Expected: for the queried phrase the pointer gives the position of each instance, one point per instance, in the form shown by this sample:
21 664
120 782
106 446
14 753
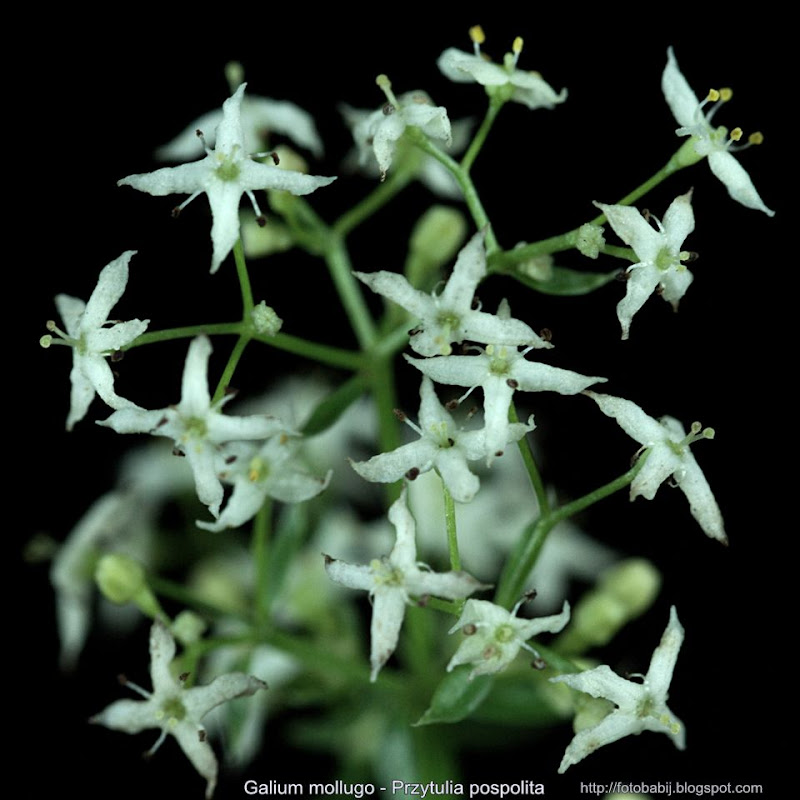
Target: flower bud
121 579
188 627
590 240
634 583
434 242
265 320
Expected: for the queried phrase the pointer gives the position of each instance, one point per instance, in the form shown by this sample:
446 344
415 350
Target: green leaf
333 406
565 281
456 697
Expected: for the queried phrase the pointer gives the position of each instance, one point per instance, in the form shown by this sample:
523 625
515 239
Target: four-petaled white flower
392 581
442 446
494 635
659 253
709 141
261 116
224 175
640 706
91 340
528 88
175 709
378 134
196 424
500 371
669 455
258 472
449 318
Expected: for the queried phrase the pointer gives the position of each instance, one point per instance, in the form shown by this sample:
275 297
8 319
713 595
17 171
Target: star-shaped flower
494 635
442 446
261 471
715 143
640 706
378 134
528 88
501 370
392 581
196 425
92 339
449 318
175 709
224 175
659 253
669 455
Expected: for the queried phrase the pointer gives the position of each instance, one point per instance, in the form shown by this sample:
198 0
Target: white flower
669 455
640 706
258 472
91 340
392 581
659 253
528 88
500 371
196 425
494 635
449 317
224 175
441 446
378 134
176 710
709 141
261 116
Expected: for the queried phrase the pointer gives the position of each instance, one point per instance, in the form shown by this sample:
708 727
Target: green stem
373 202
230 368
260 549
452 533
479 215
185 332
642 189
530 465
523 559
189 599
346 283
495 104
244 279
325 354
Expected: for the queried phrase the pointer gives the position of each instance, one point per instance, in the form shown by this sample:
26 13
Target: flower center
504 633
228 170
258 470
499 360
195 428
385 574
172 709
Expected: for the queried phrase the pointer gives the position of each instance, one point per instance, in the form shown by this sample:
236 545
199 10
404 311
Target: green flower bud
121 579
590 240
188 627
265 320
634 583
435 240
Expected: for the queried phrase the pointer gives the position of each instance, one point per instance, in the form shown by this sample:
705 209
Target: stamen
201 136
157 744
478 38
256 208
386 87
177 210
735 134
516 49
755 138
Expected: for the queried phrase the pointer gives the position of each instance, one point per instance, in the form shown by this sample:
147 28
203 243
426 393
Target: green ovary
227 171
258 469
385 574
195 428
665 259
173 709
504 633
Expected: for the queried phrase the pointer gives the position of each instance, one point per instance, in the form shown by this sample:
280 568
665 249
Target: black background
89 109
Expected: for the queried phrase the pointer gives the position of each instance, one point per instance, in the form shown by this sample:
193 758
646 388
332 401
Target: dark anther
230 391
529 595
511 383
470 629
414 331
693 256
546 334
450 441
451 405
472 412
177 452
621 276
539 663
646 214
176 212
412 474
198 133
162 421
328 559
230 459
476 304
261 220
183 677
389 109
122 679
399 414
498 453
275 158
201 734
660 290
117 356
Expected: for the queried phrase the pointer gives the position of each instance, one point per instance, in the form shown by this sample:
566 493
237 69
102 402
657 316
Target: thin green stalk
325 354
495 104
452 533
262 528
523 559
642 189
530 465
230 368
373 202
355 307
244 279
479 215
186 332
